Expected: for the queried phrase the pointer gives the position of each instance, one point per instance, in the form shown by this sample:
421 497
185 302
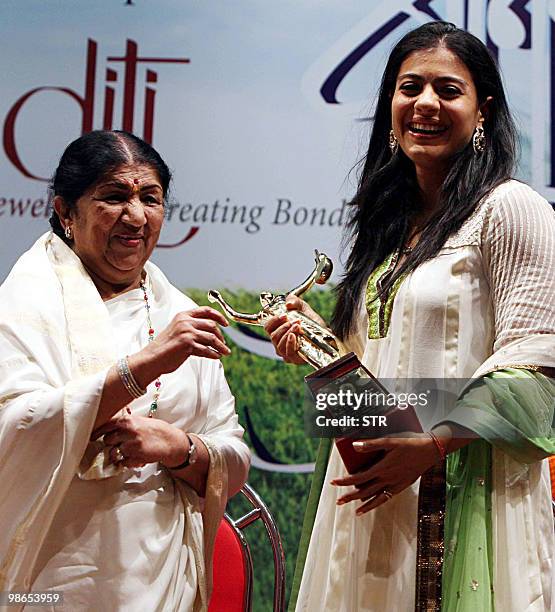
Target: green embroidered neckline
379 308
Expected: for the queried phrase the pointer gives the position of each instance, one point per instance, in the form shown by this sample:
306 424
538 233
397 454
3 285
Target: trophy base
346 378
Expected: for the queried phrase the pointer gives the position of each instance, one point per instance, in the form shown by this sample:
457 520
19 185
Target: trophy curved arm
321 273
241 317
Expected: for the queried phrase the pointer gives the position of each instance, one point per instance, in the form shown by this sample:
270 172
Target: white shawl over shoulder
56 345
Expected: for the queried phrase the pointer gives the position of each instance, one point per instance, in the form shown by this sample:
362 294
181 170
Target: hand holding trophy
317 346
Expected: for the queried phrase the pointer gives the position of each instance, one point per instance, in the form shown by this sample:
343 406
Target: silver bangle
128 379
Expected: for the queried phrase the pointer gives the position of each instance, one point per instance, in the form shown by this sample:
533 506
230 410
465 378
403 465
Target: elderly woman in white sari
119 441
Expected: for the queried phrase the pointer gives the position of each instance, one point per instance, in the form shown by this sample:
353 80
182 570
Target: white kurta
132 540
484 303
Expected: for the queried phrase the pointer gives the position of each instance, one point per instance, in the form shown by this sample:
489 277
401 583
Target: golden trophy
334 373
317 345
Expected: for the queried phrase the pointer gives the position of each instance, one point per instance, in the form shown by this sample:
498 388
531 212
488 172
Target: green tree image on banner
273 393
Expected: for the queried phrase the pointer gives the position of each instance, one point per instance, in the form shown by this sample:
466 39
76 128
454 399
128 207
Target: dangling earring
393 142
68 233
479 140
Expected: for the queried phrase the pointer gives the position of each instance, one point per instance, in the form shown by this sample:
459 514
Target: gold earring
393 142
479 140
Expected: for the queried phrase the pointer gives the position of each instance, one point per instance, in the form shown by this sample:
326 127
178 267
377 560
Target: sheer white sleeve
518 243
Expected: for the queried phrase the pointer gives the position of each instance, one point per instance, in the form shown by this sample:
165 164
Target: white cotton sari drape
483 304
122 539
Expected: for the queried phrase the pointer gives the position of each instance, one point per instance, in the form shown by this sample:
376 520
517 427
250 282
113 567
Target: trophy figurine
320 348
317 345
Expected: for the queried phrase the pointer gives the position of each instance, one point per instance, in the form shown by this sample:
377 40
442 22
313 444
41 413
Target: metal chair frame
260 511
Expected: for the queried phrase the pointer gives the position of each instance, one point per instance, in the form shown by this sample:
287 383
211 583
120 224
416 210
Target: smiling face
115 226
434 109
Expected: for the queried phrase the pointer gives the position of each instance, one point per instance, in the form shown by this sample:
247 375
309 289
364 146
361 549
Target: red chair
233 568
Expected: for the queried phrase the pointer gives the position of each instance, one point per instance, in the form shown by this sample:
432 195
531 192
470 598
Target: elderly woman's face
117 223
434 109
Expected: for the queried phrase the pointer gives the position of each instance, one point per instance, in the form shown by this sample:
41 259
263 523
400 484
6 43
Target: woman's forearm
452 437
195 474
115 395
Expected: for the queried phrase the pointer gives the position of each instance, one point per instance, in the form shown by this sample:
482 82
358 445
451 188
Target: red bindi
136 181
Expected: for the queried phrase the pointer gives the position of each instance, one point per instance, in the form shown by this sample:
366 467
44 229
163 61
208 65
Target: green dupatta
512 409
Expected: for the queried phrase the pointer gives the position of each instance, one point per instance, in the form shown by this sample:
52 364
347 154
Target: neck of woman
430 182
109 290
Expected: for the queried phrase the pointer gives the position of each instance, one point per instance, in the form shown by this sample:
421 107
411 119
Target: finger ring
119 455
387 493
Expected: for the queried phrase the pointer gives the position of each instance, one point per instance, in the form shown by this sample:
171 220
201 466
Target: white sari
121 539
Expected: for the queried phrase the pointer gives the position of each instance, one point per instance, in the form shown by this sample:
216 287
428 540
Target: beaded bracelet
128 379
440 448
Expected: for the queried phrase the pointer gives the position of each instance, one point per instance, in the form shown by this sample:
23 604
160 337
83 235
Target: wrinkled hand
143 440
192 332
284 332
405 460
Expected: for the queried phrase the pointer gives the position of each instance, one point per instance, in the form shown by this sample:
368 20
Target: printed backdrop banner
260 108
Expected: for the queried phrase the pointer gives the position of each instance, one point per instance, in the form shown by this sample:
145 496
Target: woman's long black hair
387 197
